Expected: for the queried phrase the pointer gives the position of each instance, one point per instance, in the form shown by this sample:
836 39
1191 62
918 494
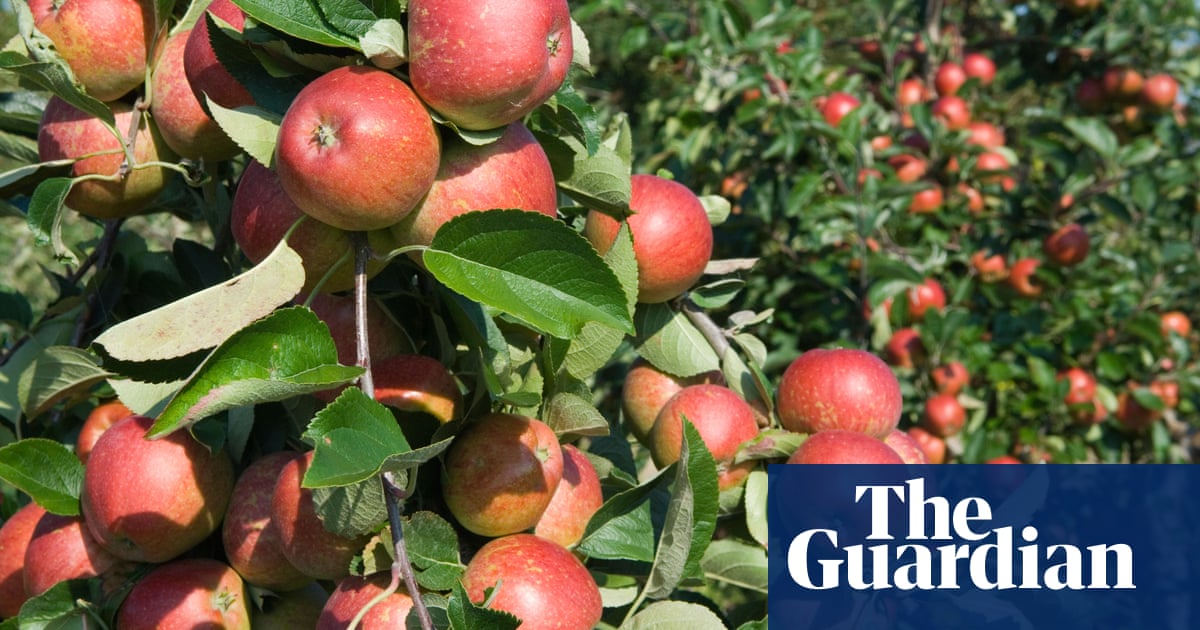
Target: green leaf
58 373
621 528
207 318
351 511
1095 133
716 294
674 616
354 435
433 550
46 214
64 605
351 17
570 414
55 76
770 444
384 44
756 506
691 517
298 18
599 181
286 354
531 267
254 129
57 331
671 343
736 563
465 615
596 343
47 471
717 208
571 112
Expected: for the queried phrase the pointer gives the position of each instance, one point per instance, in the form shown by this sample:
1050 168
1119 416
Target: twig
103 252
707 327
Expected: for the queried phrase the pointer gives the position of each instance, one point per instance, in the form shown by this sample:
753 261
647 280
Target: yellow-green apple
906 447
574 502
512 172
949 78
187 593
62 549
205 74
1067 246
1176 322
950 378
905 349
722 418
15 535
537 580
934 446
646 389
250 537
415 382
485 63
501 472
353 593
842 388
672 237
943 416
183 123
1159 91
67 133
152 500
106 42
352 125
289 610
837 106
306 542
98 420
922 297
979 66
1122 83
952 111
837 446
1022 279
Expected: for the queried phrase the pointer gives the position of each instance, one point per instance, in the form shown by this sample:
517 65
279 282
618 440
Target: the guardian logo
937 545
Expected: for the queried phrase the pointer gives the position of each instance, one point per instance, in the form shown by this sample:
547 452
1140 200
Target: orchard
492 313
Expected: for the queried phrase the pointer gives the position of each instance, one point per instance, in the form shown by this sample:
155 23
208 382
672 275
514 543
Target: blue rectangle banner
984 546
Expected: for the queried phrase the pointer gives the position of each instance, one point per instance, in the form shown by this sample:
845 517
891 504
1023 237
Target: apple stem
707 327
401 567
135 122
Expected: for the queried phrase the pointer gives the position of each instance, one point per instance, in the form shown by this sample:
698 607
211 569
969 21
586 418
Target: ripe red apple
1132 416
501 473
991 167
723 420
306 543
949 78
384 335
98 420
151 500
485 63
905 349
922 297
839 389
106 42
415 382
15 535
1159 91
250 537
356 124
909 168
574 502
975 202
952 111
205 74
927 201
1090 96
985 134
1175 322
837 106
1003 459
991 268
353 593
911 92
1080 7
646 389
1122 83
187 593
944 416
67 133
933 446
1168 391
262 214
979 66
62 549
1068 245
541 583
512 172
950 378
906 447
1021 277
836 446
672 237
184 124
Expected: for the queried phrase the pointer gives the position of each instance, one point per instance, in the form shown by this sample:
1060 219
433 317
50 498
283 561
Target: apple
1159 91
909 168
1067 246
1080 7
943 416
574 502
841 388
881 143
184 124
261 216
672 237
990 267
1168 391
952 111
911 92
512 172
483 64
356 124
1090 96
985 134
250 537
292 609
933 446
723 420
975 203
67 133
1132 416
15 535
152 500
906 447
1176 322
1022 279
922 297
106 42
905 349
1081 386
949 78
98 420
950 378
537 580
646 389
836 446
205 74
187 593
62 549
417 383
384 336
1003 459
501 472
927 201
1122 83
837 106
991 167
979 66
353 593
307 544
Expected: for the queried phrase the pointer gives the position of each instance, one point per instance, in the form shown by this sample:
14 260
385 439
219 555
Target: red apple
975 202
15 535
906 447
1132 416
837 106
952 111
384 335
512 172
185 126
1090 96
909 168
991 166
293 609
991 268
415 382
951 378
933 446
1003 459
672 237
67 133
62 549
151 500
646 389
501 473
1080 7
949 78
1067 246
944 416
927 295
574 502
540 582
351 125
1122 83
1176 322
353 593
1081 386
911 92
985 134
106 42
185 595
927 201
723 420
486 63
306 543
205 74
836 446
839 389
250 537
1159 91
1021 277
97 422
905 349
979 66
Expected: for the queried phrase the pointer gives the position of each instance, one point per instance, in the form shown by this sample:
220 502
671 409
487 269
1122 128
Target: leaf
56 77
736 563
59 372
64 605
254 129
384 44
691 517
433 550
207 318
674 616
570 414
769 444
354 436
465 615
571 112
531 267
351 17
1095 133
671 343
351 511
599 181
286 354
298 18
716 207
621 528
596 343
47 471
716 294
756 506
46 213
